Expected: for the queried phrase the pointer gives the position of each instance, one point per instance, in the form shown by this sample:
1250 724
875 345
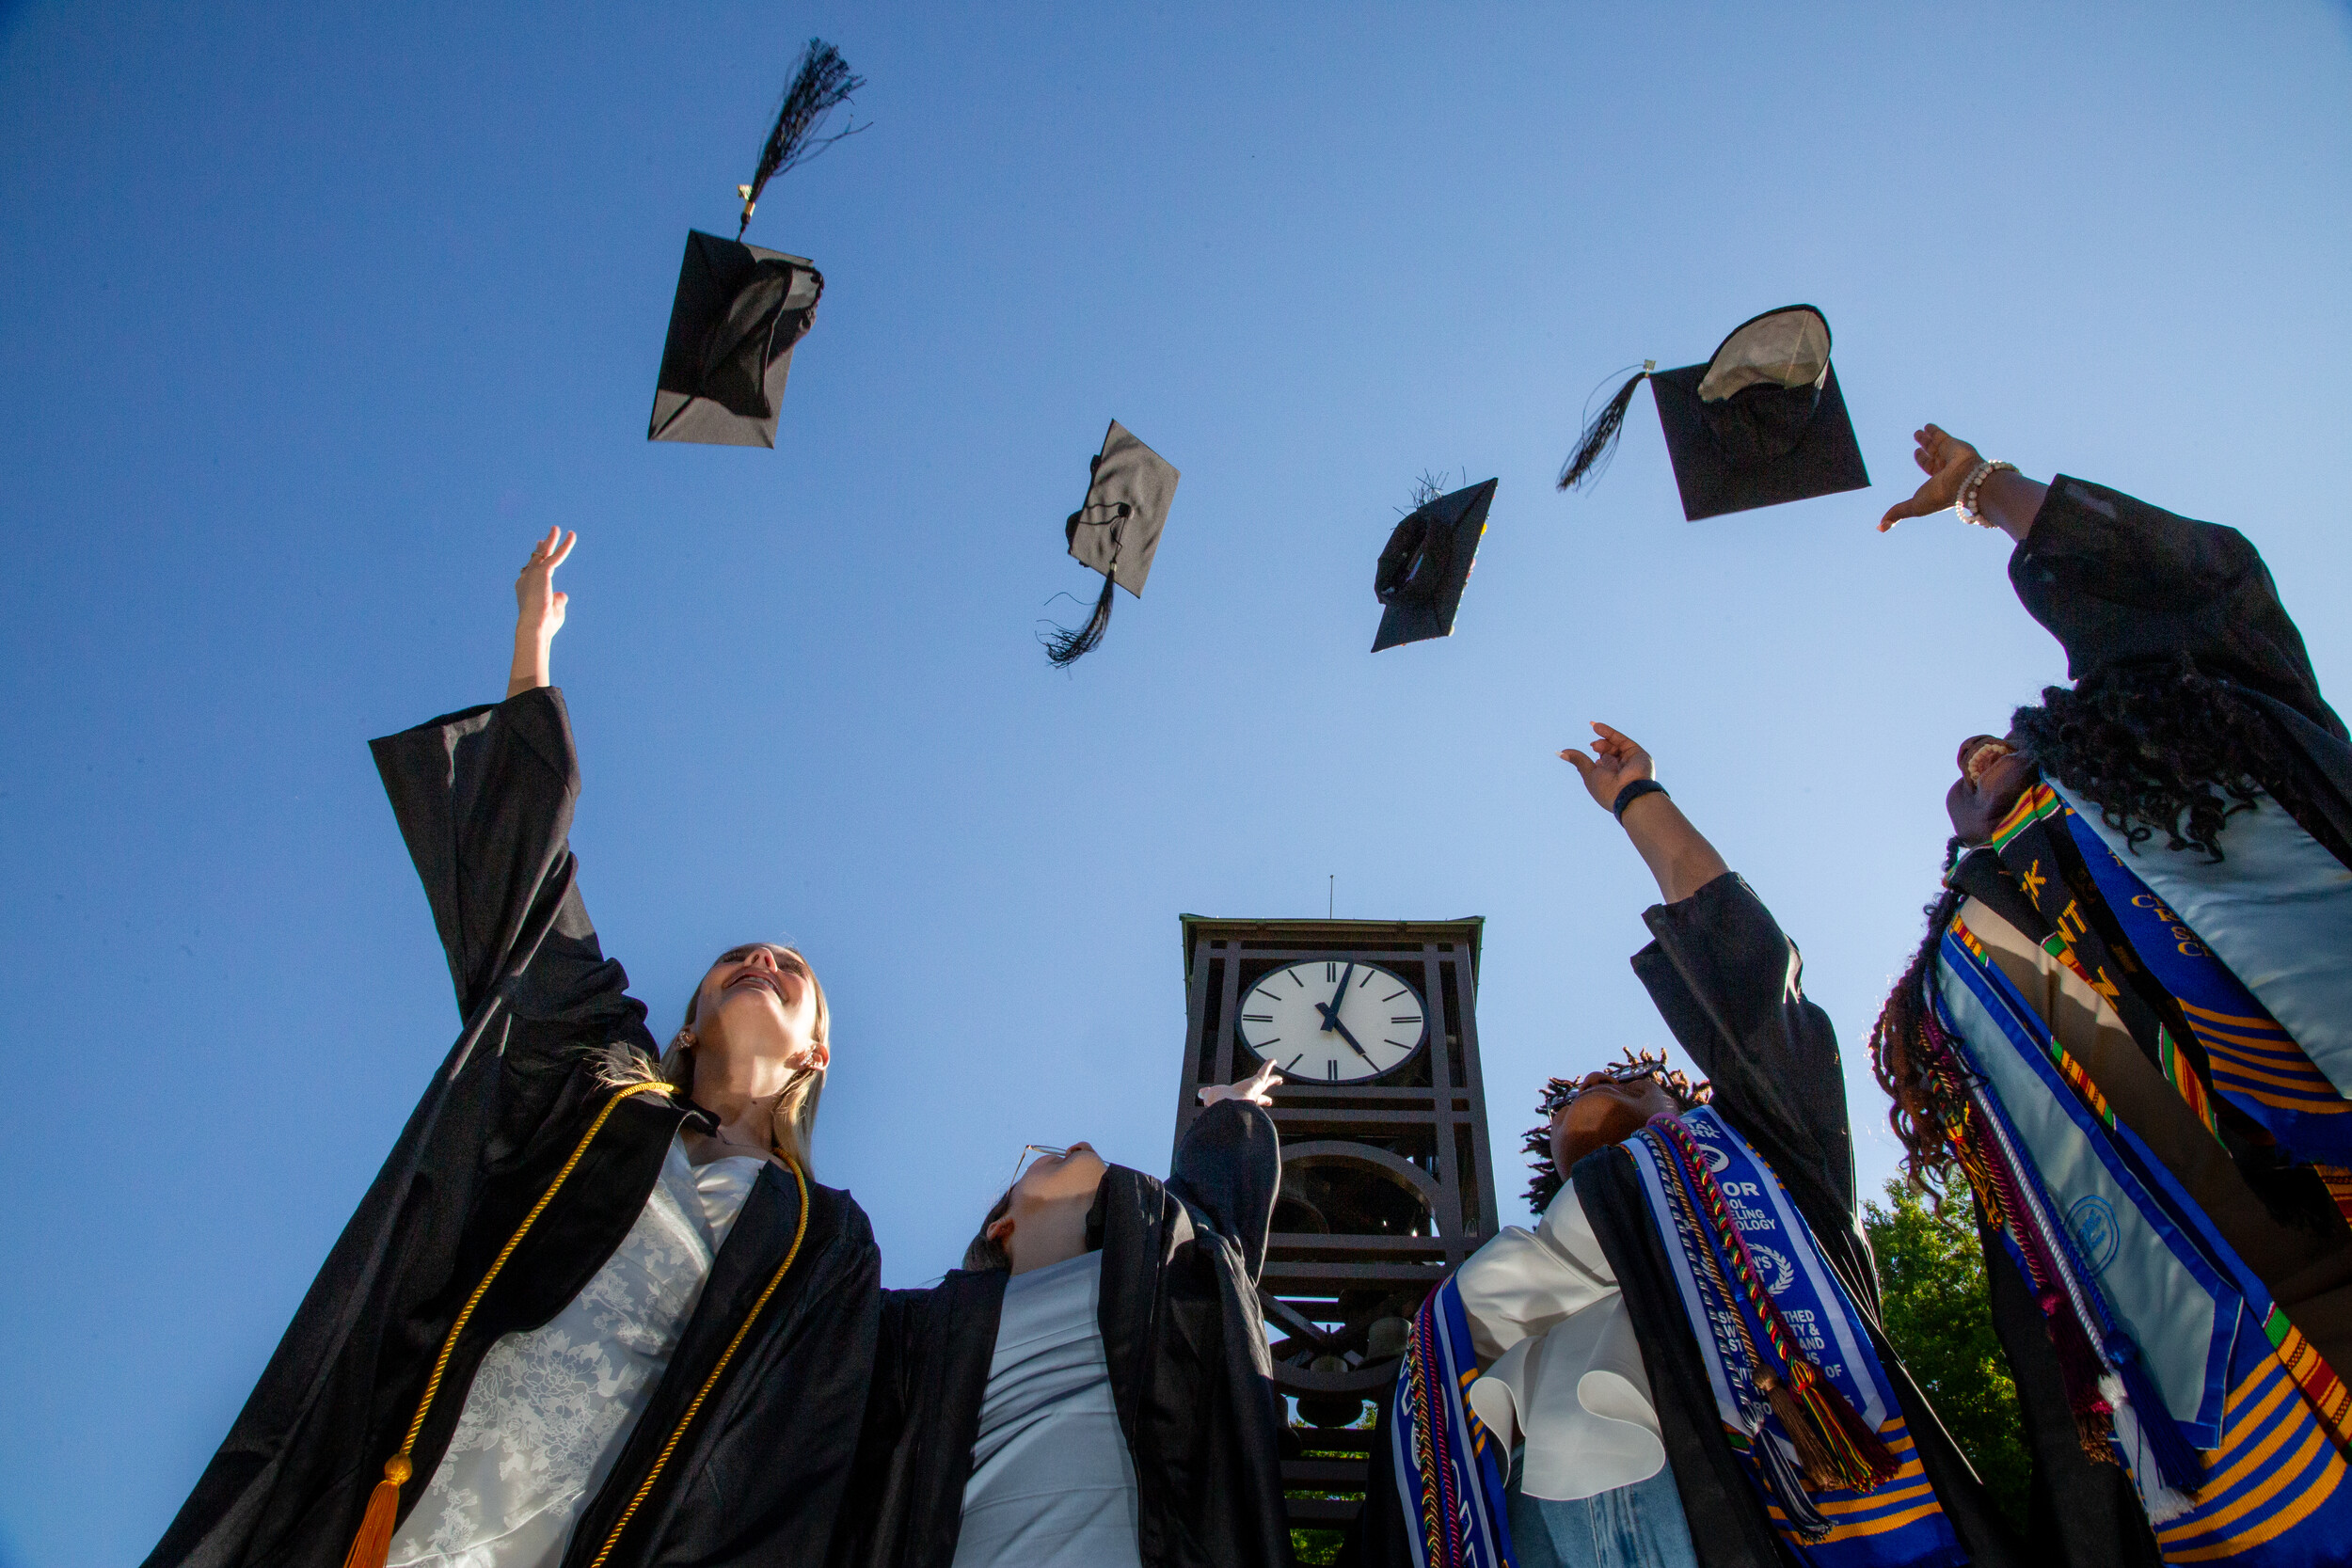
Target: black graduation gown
1188 1358
1728 984
2118 581
1726 981
485 800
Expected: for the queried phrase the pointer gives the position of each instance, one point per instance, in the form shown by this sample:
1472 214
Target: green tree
1940 1319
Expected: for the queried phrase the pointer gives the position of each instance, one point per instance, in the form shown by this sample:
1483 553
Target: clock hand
1331 1013
1352 1045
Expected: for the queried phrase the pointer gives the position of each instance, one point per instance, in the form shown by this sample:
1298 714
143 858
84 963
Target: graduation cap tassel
1069 644
822 85
1600 435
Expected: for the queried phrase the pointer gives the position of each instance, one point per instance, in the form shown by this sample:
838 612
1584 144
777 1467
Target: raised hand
539 611
1616 761
1946 459
1258 1088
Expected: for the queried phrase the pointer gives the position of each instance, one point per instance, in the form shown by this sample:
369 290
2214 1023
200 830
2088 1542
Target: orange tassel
373 1543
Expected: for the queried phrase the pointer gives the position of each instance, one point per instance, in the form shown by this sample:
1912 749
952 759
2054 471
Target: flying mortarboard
1116 532
1427 564
739 308
1761 423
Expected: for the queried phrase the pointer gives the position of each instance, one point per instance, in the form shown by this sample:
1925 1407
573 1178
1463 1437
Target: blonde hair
792 1127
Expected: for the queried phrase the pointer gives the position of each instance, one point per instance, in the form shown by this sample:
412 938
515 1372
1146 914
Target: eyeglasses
1030 1154
1617 1072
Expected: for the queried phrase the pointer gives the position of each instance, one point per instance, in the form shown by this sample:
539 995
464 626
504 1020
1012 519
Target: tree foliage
1940 1319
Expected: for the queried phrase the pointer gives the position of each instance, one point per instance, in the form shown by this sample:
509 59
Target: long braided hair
2160 748
1544 1185
1924 1102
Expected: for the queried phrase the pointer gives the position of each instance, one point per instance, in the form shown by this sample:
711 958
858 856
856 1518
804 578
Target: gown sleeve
2118 581
485 800
1229 1166
1730 986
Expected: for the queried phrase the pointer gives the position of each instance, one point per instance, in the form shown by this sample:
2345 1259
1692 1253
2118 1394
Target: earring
684 1038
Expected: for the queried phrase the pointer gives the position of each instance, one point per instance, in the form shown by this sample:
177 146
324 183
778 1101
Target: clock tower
1387 1184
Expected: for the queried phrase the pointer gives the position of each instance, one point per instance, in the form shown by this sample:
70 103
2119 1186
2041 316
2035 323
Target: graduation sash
2194 1018
2190 1353
1446 1460
1803 1398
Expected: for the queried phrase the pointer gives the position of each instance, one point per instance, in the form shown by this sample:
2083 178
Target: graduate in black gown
1728 984
594 1278
1092 1388
2149 871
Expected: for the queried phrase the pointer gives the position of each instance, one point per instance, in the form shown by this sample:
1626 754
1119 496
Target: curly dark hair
2160 748
1925 1102
1547 1181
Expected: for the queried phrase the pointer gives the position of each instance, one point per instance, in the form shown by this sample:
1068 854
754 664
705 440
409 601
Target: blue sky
317 315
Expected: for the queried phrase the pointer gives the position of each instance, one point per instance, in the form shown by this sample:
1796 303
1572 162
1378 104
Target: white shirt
549 1410
1053 1484
1566 1372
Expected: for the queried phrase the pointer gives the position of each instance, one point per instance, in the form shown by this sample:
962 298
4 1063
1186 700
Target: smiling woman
757 1064
591 1292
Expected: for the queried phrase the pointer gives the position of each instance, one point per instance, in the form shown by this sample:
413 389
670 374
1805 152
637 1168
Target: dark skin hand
2009 501
1992 775
1603 1114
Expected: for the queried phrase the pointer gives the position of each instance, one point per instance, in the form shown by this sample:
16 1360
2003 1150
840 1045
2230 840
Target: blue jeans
1639 1525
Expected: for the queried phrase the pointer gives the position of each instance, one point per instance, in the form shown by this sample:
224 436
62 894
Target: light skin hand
538 611
1258 1088
2009 501
1677 853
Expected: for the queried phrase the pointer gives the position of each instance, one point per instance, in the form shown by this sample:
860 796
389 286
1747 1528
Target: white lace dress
550 1410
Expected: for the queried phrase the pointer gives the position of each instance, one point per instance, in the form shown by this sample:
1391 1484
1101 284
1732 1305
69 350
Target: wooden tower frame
1411 1148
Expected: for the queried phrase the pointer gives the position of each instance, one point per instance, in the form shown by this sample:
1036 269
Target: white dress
1053 1484
549 1410
1565 1373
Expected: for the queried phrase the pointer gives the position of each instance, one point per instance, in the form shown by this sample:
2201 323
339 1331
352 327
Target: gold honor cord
711 1382
373 1543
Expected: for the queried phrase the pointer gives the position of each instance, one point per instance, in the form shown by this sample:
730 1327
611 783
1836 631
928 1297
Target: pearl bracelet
1966 504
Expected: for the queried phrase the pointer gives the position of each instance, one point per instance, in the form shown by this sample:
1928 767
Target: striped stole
2215 1406
1835 1466
1450 1472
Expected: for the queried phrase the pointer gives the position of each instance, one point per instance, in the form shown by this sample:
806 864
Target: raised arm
1677 854
1730 983
1229 1166
483 797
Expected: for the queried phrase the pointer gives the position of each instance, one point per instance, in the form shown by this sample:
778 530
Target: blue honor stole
2212 1391
1704 1183
1449 1468
2256 1065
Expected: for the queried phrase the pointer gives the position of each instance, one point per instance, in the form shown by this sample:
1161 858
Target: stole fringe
372 1544
2180 1465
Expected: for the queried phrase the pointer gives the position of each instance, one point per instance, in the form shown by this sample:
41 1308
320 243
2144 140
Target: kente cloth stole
2188 1013
1769 1316
1450 1468
2228 1424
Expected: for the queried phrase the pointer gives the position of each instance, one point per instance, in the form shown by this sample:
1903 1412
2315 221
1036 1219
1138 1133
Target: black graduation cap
1761 423
1116 532
1427 564
739 308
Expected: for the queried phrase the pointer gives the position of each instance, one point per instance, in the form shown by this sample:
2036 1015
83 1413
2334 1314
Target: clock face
1332 1021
